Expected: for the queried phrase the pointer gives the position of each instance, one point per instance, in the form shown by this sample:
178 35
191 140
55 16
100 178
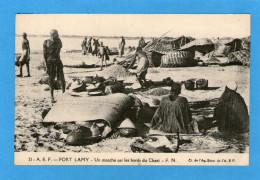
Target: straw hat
127 123
232 85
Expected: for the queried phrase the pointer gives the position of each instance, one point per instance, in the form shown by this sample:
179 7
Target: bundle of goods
113 51
115 88
95 89
78 86
202 84
156 144
82 65
168 81
17 58
116 71
189 84
178 59
45 80
240 57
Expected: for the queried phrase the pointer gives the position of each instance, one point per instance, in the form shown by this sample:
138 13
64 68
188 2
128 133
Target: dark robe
89 46
172 115
231 113
141 43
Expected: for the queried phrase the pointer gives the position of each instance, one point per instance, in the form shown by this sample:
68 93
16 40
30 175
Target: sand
31 100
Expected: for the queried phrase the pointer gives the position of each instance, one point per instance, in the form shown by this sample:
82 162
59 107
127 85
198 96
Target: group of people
173 113
99 50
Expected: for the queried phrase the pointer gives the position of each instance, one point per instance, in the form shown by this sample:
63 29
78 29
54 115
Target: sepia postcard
132 89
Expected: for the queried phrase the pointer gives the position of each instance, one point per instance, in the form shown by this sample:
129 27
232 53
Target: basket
189 85
178 59
202 84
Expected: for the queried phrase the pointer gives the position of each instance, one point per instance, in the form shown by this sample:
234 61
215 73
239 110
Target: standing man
142 66
25 58
89 45
122 46
103 54
51 52
96 45
84 46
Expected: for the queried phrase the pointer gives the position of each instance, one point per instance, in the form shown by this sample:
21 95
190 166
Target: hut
181 41
224 46
246 43
203 46
162 46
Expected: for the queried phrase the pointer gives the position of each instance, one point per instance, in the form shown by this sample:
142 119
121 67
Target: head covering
24 34
127 123
176 87
232 85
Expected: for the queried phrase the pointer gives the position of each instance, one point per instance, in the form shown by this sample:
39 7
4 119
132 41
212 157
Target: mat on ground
110 108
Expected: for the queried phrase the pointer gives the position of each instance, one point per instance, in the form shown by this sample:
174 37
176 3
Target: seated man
231 112
173 113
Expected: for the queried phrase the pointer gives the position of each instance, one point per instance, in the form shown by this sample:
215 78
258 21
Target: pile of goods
240 57
87 120
189 84
157 92
116 71
156 144
201 84
98 85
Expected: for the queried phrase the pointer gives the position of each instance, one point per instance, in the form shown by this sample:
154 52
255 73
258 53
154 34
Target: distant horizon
133 37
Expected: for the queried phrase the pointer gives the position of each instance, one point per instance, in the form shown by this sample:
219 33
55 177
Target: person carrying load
103 54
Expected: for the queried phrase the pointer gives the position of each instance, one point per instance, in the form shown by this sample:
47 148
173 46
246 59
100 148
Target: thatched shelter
246 43
161 46
224 46
203 46
181 41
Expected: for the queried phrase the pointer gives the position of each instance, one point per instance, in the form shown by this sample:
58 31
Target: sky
132 25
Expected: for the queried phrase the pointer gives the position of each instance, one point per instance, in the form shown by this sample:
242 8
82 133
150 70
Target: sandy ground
31 100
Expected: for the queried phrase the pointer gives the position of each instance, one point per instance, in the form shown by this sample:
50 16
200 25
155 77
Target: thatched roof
198 43
228 41
164 45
